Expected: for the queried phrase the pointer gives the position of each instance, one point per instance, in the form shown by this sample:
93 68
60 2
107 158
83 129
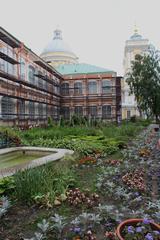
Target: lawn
112 176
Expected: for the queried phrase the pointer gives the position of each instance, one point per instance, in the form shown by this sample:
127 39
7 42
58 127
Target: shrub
10 135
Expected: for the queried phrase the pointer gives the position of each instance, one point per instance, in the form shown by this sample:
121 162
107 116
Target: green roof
81 68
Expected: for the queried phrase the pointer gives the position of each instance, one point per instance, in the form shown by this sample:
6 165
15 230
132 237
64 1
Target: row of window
8 107
38 81
43 84
91 111
92 87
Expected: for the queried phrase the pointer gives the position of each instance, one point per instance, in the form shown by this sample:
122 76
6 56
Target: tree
144 82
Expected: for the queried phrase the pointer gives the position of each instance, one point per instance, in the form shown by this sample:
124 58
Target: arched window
21 109
7 108
92 87
106 111
22 69
65 88
31 110
106 86
78 88
31 76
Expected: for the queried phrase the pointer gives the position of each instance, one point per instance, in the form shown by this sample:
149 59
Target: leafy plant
58 225
7 185
4 205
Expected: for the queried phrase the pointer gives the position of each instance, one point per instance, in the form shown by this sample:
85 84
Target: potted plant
141 229
156 128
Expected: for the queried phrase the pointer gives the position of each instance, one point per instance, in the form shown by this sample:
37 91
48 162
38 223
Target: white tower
135 45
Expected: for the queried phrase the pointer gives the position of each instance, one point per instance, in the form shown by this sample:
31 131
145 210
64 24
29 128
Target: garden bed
94 192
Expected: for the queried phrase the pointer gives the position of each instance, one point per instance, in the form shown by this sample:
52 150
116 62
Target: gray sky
96 30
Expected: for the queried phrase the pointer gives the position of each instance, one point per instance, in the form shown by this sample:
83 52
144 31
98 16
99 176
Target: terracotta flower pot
156 129
133 222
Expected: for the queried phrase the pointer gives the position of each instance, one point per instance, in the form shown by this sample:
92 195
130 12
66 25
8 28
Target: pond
19 157
16 158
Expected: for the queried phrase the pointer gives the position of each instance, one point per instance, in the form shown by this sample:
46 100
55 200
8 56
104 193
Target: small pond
19 157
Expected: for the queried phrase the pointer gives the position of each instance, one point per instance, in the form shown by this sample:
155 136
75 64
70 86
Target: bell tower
135 45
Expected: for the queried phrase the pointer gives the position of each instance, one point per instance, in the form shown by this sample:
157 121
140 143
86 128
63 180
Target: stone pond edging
56 154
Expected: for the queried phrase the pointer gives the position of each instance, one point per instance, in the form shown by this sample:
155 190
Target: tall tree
144 82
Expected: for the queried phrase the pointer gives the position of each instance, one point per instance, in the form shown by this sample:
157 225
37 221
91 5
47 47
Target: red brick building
31 90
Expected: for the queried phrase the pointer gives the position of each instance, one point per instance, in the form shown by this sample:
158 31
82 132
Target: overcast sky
96 30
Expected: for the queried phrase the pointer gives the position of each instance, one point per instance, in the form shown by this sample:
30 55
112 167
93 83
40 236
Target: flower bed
94 193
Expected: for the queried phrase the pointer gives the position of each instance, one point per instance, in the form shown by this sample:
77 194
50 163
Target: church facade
31 89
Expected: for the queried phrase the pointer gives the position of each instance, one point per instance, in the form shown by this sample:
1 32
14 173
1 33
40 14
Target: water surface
19 157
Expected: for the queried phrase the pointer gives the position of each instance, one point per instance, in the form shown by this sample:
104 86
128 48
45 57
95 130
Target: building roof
57 44
14 42
81 68
136 36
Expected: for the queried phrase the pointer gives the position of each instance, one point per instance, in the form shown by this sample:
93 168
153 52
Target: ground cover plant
91 196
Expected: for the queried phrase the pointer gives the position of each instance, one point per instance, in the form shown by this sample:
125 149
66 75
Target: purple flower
156 232
137 194
77 229
146 221
130 229
149 236
138 229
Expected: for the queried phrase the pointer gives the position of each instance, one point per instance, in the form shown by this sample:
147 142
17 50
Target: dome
136 36
58 52
57 44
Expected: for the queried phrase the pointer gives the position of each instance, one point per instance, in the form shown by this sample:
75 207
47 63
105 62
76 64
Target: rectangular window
92 87
65 111
106 112
22 69
128 114
65 89
78 88
40 110
31 110
106 86
40 82
78 110
44 111
92 111
21 109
